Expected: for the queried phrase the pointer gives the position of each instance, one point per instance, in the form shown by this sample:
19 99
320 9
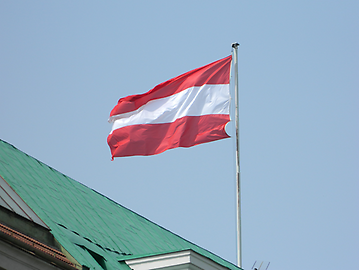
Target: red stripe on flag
213 73
151 139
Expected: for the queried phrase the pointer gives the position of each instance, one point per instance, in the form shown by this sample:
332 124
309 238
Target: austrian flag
190 109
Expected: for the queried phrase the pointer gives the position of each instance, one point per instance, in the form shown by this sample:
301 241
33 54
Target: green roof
94 229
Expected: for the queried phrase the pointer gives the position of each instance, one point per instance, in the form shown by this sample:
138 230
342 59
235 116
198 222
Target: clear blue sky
64 65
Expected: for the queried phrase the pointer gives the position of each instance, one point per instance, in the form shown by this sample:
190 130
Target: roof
94 229
11 201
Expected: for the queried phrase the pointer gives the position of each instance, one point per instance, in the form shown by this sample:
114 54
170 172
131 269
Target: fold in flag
190 109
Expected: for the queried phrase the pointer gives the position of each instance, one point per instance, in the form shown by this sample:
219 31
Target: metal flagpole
238 171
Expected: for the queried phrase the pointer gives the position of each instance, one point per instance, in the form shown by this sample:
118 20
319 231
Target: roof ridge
41 162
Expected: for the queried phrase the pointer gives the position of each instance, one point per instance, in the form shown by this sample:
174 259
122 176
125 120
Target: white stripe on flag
194 101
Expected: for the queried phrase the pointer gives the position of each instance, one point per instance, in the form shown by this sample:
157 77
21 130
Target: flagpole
238 171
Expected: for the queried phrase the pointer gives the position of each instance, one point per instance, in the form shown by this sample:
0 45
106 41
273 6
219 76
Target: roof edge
160 255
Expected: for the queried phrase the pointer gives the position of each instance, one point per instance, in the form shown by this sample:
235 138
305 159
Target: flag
187 110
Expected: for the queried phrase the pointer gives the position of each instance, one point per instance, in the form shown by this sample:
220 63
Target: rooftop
94 229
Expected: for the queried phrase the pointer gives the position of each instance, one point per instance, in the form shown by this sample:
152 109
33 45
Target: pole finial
235 45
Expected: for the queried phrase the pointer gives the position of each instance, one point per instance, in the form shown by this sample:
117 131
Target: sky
65 64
